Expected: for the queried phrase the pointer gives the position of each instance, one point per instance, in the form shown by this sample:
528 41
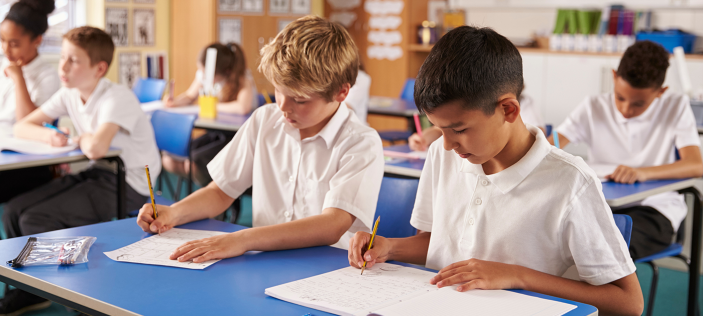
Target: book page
448 301
156 249
603 170
347 292
34 147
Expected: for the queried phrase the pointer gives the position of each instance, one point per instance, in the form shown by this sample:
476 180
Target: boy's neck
88 90
519 143
313 130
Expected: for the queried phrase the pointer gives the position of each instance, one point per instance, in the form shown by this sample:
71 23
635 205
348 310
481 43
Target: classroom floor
671 294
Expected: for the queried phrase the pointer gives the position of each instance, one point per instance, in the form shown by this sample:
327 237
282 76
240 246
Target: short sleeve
44 89
422 211
355 186
232 168
685 130
577 126
121 108
57 105
592 241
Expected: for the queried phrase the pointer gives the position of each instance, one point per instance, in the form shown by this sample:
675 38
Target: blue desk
223 122
10 160
407 168
392 107
103 286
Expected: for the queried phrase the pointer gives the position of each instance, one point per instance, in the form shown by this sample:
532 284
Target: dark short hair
644 65
31 15
95 41
470 64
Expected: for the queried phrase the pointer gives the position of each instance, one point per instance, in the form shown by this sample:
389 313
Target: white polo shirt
546 212
113 103
358 96
340 167
42 80
643 141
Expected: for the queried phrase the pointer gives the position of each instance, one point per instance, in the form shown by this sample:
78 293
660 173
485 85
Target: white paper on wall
385 22
279 6
376 7
300 6
344 18
253 6
344 4
385 37
230 30
229 5
384 52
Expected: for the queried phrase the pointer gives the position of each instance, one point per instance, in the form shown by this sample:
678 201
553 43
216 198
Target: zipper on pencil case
19 261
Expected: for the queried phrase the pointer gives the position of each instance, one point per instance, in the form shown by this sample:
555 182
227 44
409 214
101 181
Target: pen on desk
47 125
555 136
418 127
375 227
151 193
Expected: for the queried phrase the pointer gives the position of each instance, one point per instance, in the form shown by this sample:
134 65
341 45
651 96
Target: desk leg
696 232
121 188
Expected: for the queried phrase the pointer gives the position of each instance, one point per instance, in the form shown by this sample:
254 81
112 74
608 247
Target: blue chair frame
173 133
624 224
395 205
149 89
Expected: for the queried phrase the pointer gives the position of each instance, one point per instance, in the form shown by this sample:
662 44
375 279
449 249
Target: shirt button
291 179
471 221
287 214
484 182
477 201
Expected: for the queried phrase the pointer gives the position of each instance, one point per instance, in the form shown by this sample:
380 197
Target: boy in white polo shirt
632 135
105 115
315 169
505 209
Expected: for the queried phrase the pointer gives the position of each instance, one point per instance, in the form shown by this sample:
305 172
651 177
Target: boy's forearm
677 170
410 249
24 104
207 202
29 130
319 230
621 297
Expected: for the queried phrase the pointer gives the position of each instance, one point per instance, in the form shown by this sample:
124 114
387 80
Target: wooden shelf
420 48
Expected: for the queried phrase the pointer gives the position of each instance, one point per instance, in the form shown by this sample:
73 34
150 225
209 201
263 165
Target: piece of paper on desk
388 289
189 109
448 301
410 155
152 106
33 147
156 249
603 170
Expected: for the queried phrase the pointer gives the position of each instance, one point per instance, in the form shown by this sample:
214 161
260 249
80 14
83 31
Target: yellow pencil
375 226
151 192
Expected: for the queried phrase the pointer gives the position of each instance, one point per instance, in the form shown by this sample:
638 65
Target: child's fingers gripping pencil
151 193
373 234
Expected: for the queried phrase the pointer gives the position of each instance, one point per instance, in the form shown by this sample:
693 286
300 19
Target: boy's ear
37 41
510 107
342 93
102 69
661 91
615 74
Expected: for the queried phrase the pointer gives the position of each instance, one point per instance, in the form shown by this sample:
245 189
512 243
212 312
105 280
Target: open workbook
33 147
392 290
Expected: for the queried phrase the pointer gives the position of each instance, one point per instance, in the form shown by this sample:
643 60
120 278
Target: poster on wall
144 27
282 24
144 1
279 6
229 5
300 6
230 30
253 6
130 68
116 20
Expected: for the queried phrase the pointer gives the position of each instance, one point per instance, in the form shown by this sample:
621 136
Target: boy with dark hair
632 135
105 115
506 210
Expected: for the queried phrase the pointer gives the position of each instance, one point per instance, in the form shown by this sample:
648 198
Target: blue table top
415 164
391 106
234 284
11 158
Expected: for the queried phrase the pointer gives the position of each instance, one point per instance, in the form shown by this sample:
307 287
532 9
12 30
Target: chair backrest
395 205
262 100
408 93
624 224
149 89
173 131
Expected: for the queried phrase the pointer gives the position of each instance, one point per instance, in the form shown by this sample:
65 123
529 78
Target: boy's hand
625 174
211 248
14 70
417 143
478 274
168 102
358 245
57 139
146 220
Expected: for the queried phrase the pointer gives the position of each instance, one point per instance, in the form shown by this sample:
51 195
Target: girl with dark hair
237 95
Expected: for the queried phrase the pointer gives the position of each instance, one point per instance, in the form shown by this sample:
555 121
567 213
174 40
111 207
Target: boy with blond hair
105 115
315 168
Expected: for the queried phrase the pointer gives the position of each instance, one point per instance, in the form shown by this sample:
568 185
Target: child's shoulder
673 100
114 91
569 166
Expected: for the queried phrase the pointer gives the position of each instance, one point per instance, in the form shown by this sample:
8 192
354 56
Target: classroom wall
95 16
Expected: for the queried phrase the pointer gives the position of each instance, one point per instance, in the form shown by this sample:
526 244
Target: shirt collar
509 178
328 133
100 88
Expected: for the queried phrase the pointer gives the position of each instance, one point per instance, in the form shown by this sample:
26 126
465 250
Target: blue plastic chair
407 94
262 100
173 135
149 89
395 205
624 224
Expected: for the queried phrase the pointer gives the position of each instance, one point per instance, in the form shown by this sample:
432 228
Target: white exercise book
389 289
157 249
34 147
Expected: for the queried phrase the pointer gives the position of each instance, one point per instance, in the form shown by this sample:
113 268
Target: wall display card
344 4
282 24
116 20
300 6
130 66
229 5
345 18
230 30
279 6
117 1
144 27
253 6
144 1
